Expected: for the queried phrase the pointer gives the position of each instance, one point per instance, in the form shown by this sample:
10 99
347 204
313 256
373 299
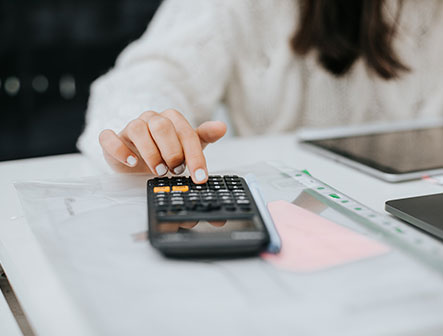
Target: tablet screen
396 152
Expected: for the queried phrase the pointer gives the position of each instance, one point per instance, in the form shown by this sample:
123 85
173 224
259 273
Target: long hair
341 31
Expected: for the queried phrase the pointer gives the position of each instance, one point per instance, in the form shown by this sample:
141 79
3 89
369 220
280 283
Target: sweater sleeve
182 61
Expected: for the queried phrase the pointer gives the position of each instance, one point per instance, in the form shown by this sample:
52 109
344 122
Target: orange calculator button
180 188
162 189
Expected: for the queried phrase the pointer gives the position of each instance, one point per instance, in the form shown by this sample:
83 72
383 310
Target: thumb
211 131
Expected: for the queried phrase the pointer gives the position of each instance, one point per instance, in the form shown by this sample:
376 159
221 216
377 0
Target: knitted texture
197 54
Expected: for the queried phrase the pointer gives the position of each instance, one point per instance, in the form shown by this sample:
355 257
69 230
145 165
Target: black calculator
217 218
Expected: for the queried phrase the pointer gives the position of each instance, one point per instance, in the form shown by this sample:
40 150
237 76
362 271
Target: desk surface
49 307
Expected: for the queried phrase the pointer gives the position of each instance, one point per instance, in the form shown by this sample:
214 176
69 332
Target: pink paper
311 242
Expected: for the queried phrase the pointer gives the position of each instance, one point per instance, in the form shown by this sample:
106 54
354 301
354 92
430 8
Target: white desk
50 308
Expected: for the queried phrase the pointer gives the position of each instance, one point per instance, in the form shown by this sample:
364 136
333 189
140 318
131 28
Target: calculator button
180 195
176 192
161 189
208 195
161 183
182 188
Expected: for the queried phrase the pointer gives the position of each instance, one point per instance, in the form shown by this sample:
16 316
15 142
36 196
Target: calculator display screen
205 227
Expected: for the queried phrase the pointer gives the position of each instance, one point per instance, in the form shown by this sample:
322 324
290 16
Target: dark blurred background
50 53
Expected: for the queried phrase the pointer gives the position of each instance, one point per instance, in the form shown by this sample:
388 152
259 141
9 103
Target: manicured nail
161 169
200 174
179 169
131 160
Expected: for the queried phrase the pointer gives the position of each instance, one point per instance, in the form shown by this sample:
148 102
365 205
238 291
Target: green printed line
334 196
306 172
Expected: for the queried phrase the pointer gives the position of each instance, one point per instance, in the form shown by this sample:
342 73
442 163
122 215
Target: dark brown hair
341 31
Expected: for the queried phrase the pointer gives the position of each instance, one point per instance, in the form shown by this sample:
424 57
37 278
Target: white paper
93 232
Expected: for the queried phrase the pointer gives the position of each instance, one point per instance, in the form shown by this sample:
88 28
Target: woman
276 65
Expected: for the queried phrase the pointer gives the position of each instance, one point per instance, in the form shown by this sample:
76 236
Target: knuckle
104 135
172 113
147 114
136 126
159 124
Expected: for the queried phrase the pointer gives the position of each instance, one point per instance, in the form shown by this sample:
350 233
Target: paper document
93 231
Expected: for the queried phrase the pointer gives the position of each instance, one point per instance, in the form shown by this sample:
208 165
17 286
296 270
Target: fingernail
161 169
179 169
200 174
131 160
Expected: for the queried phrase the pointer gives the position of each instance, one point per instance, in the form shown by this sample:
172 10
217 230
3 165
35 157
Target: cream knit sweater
197 54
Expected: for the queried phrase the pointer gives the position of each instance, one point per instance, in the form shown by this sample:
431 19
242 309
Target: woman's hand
161 142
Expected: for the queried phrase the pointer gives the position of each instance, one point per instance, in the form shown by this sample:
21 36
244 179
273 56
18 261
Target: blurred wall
50 52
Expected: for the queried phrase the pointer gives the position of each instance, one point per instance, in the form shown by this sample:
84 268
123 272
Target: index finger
192 149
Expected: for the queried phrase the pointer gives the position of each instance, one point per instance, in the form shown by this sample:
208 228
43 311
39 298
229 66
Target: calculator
217 218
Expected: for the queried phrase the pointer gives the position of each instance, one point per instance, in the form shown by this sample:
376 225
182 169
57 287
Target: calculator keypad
180 195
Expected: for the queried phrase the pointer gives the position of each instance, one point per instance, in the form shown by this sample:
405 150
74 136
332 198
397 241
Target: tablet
425 212
393 153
